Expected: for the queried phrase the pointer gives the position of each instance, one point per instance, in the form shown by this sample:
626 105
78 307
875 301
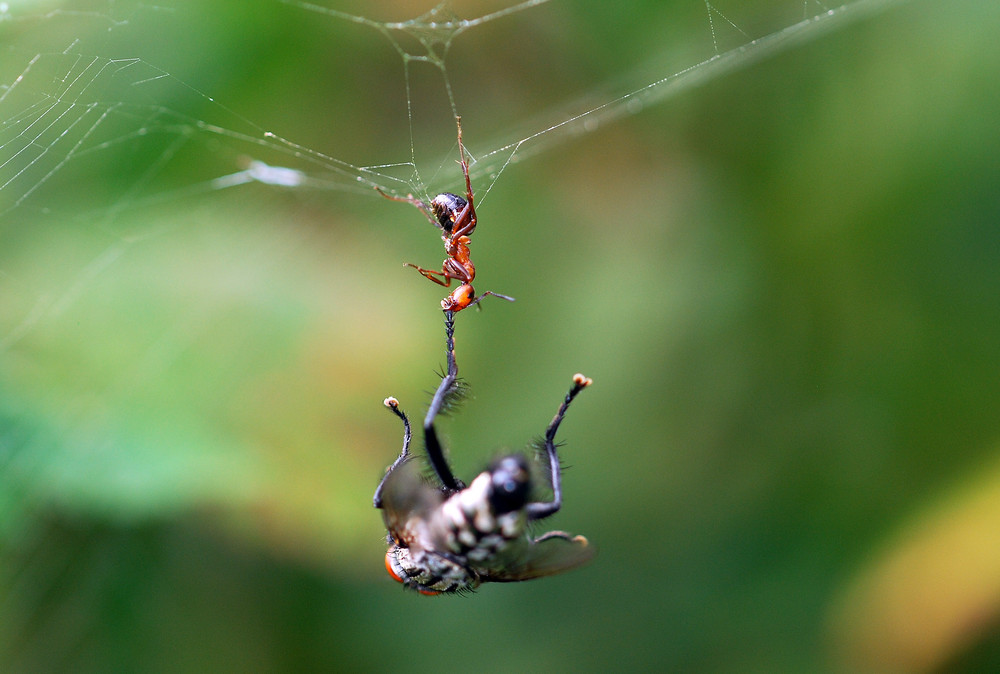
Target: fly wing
546 555
407 498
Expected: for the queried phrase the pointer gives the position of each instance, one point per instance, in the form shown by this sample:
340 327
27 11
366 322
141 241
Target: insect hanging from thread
456 218
450 537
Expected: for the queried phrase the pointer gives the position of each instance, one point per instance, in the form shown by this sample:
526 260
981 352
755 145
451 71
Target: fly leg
393 406
435 453
539 510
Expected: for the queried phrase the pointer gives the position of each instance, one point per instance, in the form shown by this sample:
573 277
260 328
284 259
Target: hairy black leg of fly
435 454
537 511
393 406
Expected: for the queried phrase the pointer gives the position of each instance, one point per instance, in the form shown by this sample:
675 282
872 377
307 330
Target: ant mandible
456 217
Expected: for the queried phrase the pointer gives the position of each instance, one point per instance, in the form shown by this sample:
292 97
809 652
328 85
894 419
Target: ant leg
435 453
459 267
465 223
426 273
465 164
537 511
393 406
489 292
413 201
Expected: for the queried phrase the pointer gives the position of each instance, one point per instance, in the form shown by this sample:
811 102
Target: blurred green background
784 283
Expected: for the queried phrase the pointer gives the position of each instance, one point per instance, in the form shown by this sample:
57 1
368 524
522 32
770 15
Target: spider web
202 304
69 109
89 88
70 113
198 243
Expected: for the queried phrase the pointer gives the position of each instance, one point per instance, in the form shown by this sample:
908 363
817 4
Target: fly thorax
480 520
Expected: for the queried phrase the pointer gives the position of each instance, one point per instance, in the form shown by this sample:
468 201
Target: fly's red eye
388 567
389 557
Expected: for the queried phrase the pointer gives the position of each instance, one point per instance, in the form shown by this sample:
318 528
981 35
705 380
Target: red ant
456 217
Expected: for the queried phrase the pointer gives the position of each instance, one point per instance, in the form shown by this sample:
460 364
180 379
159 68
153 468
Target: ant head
446 208
462 297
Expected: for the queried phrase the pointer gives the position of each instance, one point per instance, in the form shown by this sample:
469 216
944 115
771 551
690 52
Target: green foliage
784 285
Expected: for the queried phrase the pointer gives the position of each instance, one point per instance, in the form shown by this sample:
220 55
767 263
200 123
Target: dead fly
454 537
